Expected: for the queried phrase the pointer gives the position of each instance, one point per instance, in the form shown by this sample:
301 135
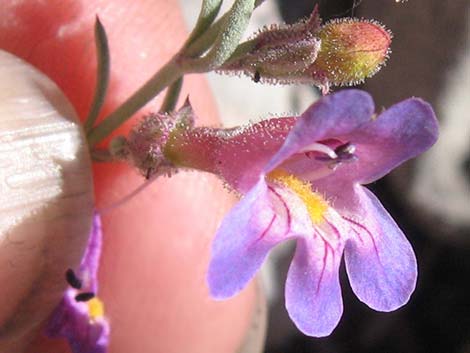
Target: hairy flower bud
351 50
340 53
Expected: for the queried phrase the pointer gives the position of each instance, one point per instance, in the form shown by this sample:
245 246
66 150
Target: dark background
429 36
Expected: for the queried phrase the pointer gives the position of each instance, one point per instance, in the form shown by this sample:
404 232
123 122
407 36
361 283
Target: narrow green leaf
207 15
102 74
235 23
202 43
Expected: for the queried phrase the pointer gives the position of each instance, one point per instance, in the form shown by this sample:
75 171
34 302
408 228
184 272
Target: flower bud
351 50
340 53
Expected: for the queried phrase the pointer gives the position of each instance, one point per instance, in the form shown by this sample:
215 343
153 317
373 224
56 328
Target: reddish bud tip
351 50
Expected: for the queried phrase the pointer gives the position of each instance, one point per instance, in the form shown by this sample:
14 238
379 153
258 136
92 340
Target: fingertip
143 293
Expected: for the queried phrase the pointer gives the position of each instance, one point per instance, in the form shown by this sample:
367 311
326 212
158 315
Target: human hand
156 246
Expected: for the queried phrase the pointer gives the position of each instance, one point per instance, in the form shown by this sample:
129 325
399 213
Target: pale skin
156 246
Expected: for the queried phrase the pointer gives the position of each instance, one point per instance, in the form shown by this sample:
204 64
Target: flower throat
316 205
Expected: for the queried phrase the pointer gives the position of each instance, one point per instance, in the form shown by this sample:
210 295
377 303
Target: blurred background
428 197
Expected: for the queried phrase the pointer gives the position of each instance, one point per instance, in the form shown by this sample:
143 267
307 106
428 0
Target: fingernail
46 198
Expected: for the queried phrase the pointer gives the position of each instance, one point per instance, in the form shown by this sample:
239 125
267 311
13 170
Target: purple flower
310 190
80 316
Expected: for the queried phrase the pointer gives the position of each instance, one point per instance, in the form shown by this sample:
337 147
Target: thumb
45 217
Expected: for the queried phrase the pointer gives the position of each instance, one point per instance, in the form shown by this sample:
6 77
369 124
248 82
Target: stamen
345 152
319 147
72 279
347 147
333 158
84 297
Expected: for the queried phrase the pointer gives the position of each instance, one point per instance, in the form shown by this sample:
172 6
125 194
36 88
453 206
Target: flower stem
162 79
171 97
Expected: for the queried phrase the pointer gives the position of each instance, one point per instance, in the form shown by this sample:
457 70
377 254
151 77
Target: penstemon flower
80 316
310 190
302 179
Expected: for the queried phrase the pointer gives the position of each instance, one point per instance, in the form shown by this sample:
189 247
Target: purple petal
88 270
334 115
402 132
70 320
256 224
313 293
380 261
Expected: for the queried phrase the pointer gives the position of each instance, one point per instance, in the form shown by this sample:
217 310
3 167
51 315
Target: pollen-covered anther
84 297
345 152
95 309
72 279
342 153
